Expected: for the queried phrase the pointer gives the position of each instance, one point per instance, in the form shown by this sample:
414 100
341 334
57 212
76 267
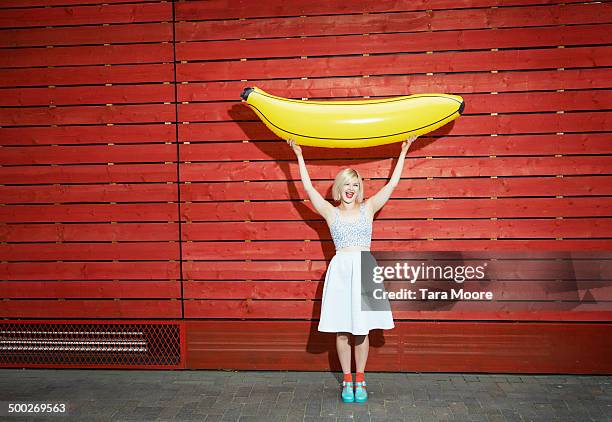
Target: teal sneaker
361 395
348 396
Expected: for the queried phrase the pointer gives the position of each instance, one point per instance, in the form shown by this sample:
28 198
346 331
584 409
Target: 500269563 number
37 408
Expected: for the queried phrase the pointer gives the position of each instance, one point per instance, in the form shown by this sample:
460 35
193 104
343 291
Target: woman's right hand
295 147
406 144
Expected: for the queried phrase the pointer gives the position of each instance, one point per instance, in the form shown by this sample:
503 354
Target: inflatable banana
353 124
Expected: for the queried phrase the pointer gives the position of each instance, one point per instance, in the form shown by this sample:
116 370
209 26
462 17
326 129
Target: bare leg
362 346
344 351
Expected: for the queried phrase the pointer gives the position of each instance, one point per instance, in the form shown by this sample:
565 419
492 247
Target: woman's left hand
406 144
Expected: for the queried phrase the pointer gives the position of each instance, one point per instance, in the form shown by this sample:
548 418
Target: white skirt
341 309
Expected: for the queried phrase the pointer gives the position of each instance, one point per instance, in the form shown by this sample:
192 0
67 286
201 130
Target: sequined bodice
358 233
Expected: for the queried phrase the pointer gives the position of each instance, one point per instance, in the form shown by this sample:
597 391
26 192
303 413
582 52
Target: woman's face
350 190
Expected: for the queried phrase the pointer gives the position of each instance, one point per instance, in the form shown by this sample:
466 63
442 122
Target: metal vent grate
90 344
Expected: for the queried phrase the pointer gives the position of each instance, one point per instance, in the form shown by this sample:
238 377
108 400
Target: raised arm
381 197
319 203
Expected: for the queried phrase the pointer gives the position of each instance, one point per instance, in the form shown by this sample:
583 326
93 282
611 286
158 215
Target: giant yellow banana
353 124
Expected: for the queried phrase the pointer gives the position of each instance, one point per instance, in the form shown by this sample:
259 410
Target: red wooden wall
136 185
89 161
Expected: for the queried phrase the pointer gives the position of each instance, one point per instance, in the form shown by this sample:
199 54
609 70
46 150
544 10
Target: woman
351 228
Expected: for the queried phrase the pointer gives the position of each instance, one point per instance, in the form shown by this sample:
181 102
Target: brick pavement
268 396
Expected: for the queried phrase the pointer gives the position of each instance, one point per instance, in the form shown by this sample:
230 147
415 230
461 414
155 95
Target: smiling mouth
349 194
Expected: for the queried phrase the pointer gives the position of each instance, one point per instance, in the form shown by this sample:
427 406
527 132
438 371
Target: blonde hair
341 178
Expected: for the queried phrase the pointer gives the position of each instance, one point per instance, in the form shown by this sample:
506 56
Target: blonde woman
350 224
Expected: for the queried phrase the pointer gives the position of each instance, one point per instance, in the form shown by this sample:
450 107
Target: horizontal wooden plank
470 146
57 232
123 192
61 135
100 308
90 95
252 290
89 213
417 167
455 187
301 250
309 273
120 114
372 23
528 102
90 289
464 146
394 42
88 154
412 346
571 291
502 310
86 15
235 191
396 209
576 292
230 9
87 55
392 85
503 124
141 232
450 62
34 3
88 174
538 101
529 123
463 311
282 309
308 270
80 271
414 167
315 231
85 75
77 35
397 230
94 251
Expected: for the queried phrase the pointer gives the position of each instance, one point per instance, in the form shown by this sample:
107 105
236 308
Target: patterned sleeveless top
358 233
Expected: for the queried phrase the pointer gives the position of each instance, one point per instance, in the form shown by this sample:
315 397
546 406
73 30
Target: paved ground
115 395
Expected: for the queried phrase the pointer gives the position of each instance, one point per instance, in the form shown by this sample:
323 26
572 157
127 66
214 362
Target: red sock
359 377
348 377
